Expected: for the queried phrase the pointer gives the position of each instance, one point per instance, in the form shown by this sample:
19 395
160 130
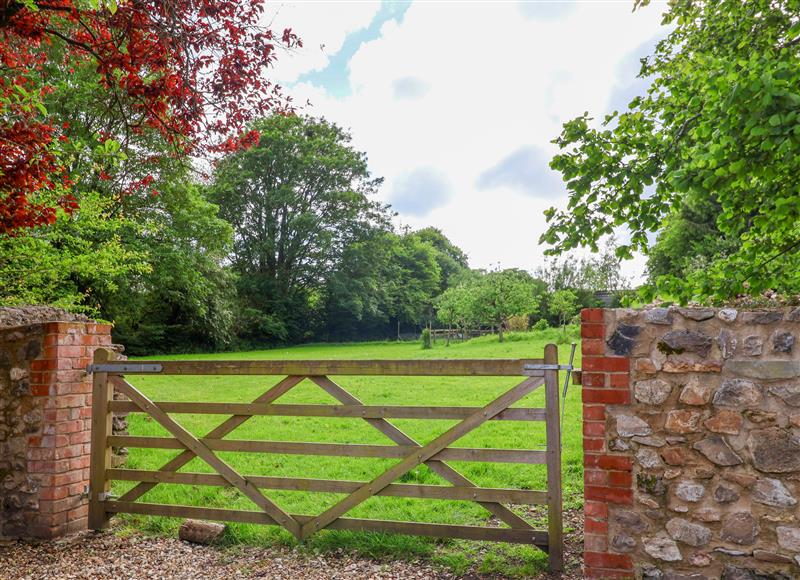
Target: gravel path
108 556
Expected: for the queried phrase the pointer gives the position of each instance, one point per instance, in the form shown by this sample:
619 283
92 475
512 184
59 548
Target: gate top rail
431 367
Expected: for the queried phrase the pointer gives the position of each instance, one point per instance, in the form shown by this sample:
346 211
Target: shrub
541 324
517 323
426 339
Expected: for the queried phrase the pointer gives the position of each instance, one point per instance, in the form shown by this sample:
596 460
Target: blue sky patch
335 77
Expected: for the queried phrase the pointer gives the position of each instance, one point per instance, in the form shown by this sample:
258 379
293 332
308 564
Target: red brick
615 495
593 380
610 396
591 573
594 428
609 364
593 331
79 462
595 477
64 479
595 445
615 462
592 315
596 510
77 513
58 466
53 493
605 560
619 380
593 346
595 543
80 437
44 365
40 390
69 451
620 479
594 412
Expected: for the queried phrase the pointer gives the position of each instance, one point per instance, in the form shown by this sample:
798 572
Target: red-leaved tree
192 70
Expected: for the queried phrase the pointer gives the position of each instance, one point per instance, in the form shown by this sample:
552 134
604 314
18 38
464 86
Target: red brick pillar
607 475
58 451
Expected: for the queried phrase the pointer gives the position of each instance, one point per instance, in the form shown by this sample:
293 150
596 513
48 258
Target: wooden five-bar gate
108 375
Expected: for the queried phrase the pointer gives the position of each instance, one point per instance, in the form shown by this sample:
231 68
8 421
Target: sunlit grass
433 391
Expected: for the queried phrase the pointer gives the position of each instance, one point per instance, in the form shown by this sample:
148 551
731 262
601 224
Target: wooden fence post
100 458
554 503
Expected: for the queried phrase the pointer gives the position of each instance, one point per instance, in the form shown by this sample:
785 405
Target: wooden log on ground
200 532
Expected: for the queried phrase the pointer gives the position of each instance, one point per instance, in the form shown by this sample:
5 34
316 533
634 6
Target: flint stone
707 514
739 528
681 364
630 425
688 491
651 484
662 549
737 393
623 543
789 393
765 556
695 392
651 573
682 421
681 341
652 441
727 341
753 346
700 560
782 341
658 316
623 339
744 479
648 458
729 422
717 451
630 521
683 576
652 392
200 532
794 315
727 314
735 573
685 531
762 317
774 450
725 494
789 538
757 416
697 314
646 366
794 420
619 445
772 492
676 455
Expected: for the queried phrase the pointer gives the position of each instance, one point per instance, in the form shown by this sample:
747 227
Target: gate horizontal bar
354 411
536 537
337 449
432 367
485 494
126 367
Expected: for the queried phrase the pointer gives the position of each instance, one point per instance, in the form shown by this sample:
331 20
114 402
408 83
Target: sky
456 103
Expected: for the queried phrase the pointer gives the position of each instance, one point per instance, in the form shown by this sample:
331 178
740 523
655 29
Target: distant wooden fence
460 334
109 375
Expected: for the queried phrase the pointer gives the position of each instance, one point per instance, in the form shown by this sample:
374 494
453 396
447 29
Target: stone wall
45 409
692 443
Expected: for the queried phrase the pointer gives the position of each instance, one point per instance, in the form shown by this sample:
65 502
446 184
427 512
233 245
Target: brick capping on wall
691 441
45 426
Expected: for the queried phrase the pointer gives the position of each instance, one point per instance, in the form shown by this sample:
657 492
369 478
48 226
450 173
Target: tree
455 307
564 305
297 200
719 121
190 69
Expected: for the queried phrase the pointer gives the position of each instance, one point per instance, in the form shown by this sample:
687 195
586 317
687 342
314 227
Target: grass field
469 391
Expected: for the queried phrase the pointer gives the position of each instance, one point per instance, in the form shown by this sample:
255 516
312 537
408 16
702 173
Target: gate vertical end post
554 502
100 455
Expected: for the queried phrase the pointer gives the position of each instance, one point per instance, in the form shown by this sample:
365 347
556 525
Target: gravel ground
109 556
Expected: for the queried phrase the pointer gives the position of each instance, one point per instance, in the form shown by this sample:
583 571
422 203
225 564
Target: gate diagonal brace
199 449
437 466
420 456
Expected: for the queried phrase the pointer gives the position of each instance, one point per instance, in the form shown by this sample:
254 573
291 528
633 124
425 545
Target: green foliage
718 123
426 339
540 325
564 305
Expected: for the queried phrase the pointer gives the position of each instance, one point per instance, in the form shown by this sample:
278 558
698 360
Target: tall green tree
296 200
718 122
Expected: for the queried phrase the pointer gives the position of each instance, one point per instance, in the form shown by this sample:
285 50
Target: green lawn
470 391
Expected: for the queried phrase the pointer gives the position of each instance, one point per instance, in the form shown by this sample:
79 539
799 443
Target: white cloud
496 83
323 28
420 191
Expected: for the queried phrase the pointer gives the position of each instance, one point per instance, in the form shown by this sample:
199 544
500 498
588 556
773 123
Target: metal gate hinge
546 367
125 367
106 496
